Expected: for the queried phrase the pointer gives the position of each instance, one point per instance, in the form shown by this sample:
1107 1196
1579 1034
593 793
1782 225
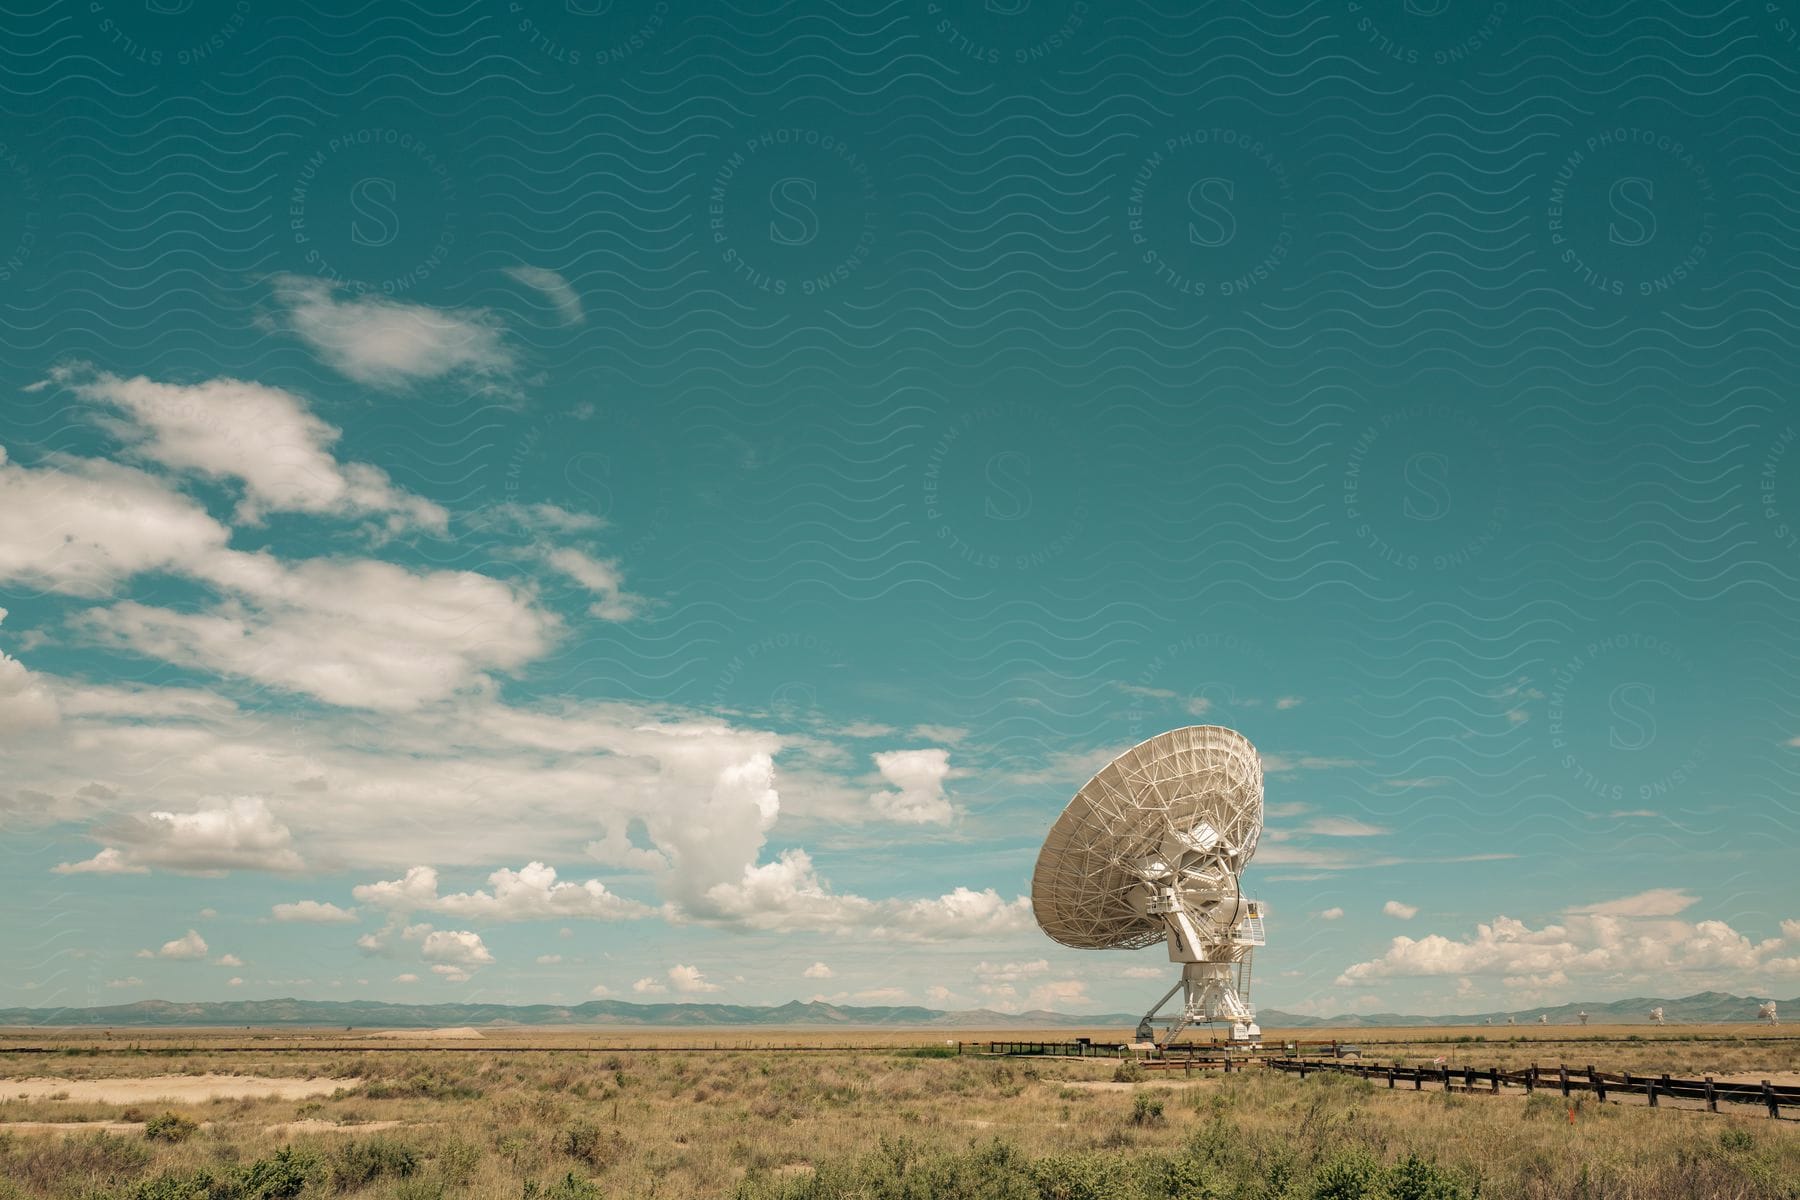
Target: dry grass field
577 1115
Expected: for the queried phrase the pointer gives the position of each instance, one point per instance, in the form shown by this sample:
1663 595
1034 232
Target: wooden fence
1561 1079
1055 1049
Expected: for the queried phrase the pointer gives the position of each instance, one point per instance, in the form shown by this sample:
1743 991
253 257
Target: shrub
993 1172
590 1144
1413 1178
457 1160
1128 1071
178 1187
169 1127
359 1162
1351 1175
1547 1106
424 1085
1080 1177
419 1189
51 1165
1186 1179
275 1178
569 1187
1146 1110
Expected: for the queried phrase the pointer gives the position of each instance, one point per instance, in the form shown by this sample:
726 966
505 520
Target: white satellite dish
1766 1012
1582 1016
1150 850
1656 1015
1543 1018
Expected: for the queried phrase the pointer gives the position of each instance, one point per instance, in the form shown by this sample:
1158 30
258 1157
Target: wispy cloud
389 343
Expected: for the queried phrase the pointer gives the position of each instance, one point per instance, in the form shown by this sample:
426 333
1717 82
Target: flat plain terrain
535 1114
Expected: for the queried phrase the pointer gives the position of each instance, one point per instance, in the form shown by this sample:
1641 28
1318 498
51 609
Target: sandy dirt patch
170 1087
315 1125
71 1127
1106 1085
461 1033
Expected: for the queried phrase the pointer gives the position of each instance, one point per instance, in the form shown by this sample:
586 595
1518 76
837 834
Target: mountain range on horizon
1700 1008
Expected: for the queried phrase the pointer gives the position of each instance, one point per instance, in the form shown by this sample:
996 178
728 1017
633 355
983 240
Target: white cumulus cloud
188 946
917 795
555 289
390 343
80 526
359 633
599 576
1633 938
239 834
27 705
314 912
688 980
261 437
108 862
461 948
530 894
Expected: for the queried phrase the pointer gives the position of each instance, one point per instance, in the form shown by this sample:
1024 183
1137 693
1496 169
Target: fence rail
1561 1079
1056 1049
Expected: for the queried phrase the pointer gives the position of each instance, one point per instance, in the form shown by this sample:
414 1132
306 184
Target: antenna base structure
1210 995
1151 850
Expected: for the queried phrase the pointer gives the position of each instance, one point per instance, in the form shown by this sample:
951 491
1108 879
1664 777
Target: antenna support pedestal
1209 994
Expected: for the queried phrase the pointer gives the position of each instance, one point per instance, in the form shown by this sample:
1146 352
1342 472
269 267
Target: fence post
1599 1084
1712 1097
1418 1079
1494 1079
1446 1077
1531 1079
1769 1099
1390 1079
1651 1084
1562 1073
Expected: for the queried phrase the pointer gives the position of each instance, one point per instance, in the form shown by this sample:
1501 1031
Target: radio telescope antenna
1656 1015
1582 1016
1766 1012
1151 850
1543 1018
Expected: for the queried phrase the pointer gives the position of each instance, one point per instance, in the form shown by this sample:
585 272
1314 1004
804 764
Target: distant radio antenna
1543 1018
1766 1012
1582 1016
1656 1015
1151 850
1512 1020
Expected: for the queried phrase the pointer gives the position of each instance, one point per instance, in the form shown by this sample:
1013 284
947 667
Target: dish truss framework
1152 849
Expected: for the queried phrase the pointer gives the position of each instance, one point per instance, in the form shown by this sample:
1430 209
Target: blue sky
669 505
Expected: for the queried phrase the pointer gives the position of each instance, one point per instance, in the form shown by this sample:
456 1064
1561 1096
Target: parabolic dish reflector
1200 781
